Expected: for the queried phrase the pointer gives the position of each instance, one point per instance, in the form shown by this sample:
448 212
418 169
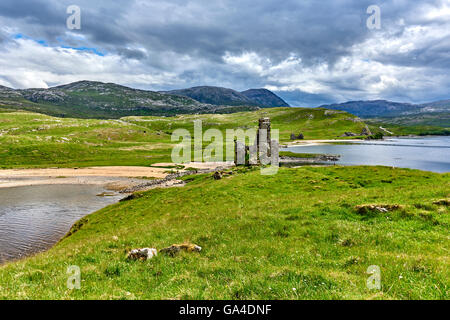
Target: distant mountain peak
3 88
257 89
384 108
214 95
265 98
224 96
86 84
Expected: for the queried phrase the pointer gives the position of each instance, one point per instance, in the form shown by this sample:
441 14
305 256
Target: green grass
314 123
298 155
420 125
36 140
262 236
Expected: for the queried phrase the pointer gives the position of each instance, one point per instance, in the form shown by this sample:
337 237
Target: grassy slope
313 123
262 236
92 100
35 140
26 105
405 130
423 124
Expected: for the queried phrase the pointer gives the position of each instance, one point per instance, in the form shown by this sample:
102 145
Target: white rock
142 254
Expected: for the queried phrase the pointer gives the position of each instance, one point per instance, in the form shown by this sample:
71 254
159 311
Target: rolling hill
35 140
89 99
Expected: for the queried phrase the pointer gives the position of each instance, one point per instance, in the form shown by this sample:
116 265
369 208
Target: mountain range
90 99
262 98
383 108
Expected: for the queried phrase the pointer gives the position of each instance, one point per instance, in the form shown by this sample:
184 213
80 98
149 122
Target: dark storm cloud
314 30
131 54
160 33
36 12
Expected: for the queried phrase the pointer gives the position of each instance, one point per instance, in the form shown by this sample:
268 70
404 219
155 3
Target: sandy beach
113 178
317 142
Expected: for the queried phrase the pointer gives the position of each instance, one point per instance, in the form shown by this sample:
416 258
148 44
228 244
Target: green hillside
421 124
89 99
293 235
36 140
314 123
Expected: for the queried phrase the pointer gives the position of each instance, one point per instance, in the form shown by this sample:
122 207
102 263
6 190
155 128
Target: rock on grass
375 208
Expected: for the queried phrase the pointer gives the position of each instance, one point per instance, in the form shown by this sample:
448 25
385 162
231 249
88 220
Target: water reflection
427 153
34 218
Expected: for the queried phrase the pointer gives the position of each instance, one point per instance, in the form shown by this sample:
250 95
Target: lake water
424 153
34 218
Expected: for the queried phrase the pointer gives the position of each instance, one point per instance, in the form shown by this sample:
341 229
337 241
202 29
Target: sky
308 52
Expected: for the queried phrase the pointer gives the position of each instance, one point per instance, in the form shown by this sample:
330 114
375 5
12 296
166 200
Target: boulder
176 248
295 137
374 208
142 254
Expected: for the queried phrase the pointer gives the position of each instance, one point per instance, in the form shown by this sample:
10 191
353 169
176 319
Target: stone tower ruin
261 151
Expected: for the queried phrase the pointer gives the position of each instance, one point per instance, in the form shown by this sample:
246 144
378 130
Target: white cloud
25 63
441 13
320 48
382 66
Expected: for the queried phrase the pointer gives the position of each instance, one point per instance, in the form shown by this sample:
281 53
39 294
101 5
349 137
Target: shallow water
34 218
424 153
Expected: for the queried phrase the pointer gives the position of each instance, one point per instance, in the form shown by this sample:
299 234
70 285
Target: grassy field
293 235
36 140
314 123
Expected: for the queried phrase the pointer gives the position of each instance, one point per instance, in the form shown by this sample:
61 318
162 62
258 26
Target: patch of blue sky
22 36
87 49
45 44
